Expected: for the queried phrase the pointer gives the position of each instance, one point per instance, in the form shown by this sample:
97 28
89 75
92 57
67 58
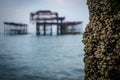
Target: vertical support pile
37 29
102 40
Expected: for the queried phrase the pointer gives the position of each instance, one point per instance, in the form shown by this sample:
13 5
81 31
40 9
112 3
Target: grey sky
19 10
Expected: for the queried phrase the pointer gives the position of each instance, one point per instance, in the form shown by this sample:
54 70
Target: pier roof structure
15 24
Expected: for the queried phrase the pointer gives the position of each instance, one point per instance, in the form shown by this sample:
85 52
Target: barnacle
102 40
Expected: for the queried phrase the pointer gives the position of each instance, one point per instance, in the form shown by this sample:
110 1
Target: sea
31 57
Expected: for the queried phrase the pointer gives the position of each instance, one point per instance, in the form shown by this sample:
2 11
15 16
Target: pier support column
61 27
44 28
57 25
25 29
50 29
57 29
37 29
102 40
4 29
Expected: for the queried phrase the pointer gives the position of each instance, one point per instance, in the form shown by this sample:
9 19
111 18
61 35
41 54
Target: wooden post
102 48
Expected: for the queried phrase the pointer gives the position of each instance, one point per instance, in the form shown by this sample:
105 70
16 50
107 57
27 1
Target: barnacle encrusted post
102 40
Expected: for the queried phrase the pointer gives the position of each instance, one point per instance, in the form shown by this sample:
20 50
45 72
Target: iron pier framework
45 19
15 28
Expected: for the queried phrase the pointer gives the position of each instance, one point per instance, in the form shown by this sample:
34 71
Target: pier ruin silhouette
15 28
44 20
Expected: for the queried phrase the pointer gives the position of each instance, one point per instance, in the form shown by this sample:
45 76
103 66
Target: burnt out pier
45 19
13 28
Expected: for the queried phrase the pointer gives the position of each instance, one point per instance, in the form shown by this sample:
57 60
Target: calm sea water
31 57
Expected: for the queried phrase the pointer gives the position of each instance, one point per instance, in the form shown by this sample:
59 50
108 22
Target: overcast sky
19 10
